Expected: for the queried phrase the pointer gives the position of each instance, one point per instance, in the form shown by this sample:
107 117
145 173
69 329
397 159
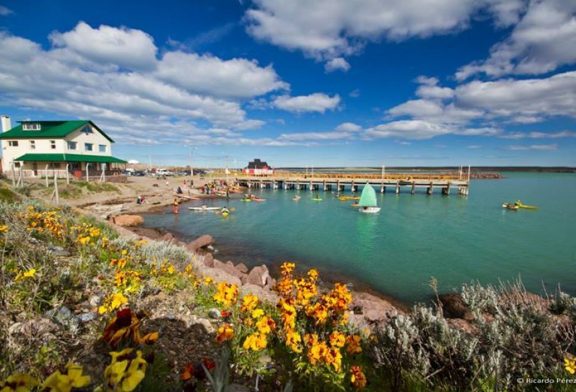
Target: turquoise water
455 239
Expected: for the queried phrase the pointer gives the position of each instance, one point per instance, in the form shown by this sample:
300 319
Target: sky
215 83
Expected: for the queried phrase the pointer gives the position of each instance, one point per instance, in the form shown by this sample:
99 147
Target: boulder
200 242
242 268
262 293
127 220
372 308
229 268
168 237
258 276
208 260
219 275
454 306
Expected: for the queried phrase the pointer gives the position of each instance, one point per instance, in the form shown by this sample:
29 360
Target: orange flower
225 333
337 339
249 303
357 377
353 344
188 372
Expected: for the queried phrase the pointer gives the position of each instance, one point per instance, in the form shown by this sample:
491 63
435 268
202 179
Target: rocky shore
368 309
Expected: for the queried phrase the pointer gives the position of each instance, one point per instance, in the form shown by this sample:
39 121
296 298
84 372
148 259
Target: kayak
510 206
246 200
316 199
348 198
519 204
204 208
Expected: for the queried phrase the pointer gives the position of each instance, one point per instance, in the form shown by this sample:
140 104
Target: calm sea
454 239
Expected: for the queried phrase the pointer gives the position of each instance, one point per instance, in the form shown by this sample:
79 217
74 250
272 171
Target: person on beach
176 206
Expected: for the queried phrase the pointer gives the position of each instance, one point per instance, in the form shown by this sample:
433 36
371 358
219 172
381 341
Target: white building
38 148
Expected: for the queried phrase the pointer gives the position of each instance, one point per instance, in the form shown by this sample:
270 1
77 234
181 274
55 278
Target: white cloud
408 129
5 11
534 147
112 75
542 41
337 64
429 89
236 78
539 135
119 46
327 29
348 127
343 131
540 98
317 102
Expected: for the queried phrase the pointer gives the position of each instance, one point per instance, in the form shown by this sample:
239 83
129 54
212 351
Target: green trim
68 158
50 130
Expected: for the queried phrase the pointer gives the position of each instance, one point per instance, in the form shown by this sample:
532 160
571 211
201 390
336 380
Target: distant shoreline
529 169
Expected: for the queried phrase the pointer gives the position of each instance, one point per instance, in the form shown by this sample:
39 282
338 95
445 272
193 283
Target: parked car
163 172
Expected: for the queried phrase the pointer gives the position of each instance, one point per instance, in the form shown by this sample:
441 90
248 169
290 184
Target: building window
72 145
31 126
16 164
102 148
87 129
32 144
53 144
88 146
13 143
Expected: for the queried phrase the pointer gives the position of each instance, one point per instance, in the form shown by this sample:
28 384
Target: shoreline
357 285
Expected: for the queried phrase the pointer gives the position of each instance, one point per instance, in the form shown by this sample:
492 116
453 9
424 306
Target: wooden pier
398 183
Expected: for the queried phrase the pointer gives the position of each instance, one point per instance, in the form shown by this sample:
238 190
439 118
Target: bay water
453 239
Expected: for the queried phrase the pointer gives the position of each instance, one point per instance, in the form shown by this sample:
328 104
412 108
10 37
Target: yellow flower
293 340
125 375
208 280
287 268
265 325
337 339
249 303
18 382
25 275
570 365
113 302
224 333
226 294
3 229
257 313
58 382
255 342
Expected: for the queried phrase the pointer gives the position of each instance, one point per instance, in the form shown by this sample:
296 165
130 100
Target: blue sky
302 82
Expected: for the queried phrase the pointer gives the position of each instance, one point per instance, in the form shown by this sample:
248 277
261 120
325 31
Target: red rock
242 268
200 242
229 268
258 276
127 220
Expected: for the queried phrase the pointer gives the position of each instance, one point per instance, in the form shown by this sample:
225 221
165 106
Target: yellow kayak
348 198
519 204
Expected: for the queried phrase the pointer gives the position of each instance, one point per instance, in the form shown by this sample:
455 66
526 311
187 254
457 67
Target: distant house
258 168
38 148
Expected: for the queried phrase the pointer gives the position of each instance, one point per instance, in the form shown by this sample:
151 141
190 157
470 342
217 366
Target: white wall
43 146
96 138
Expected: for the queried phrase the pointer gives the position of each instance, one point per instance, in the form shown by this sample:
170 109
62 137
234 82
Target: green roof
68 158
49 129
